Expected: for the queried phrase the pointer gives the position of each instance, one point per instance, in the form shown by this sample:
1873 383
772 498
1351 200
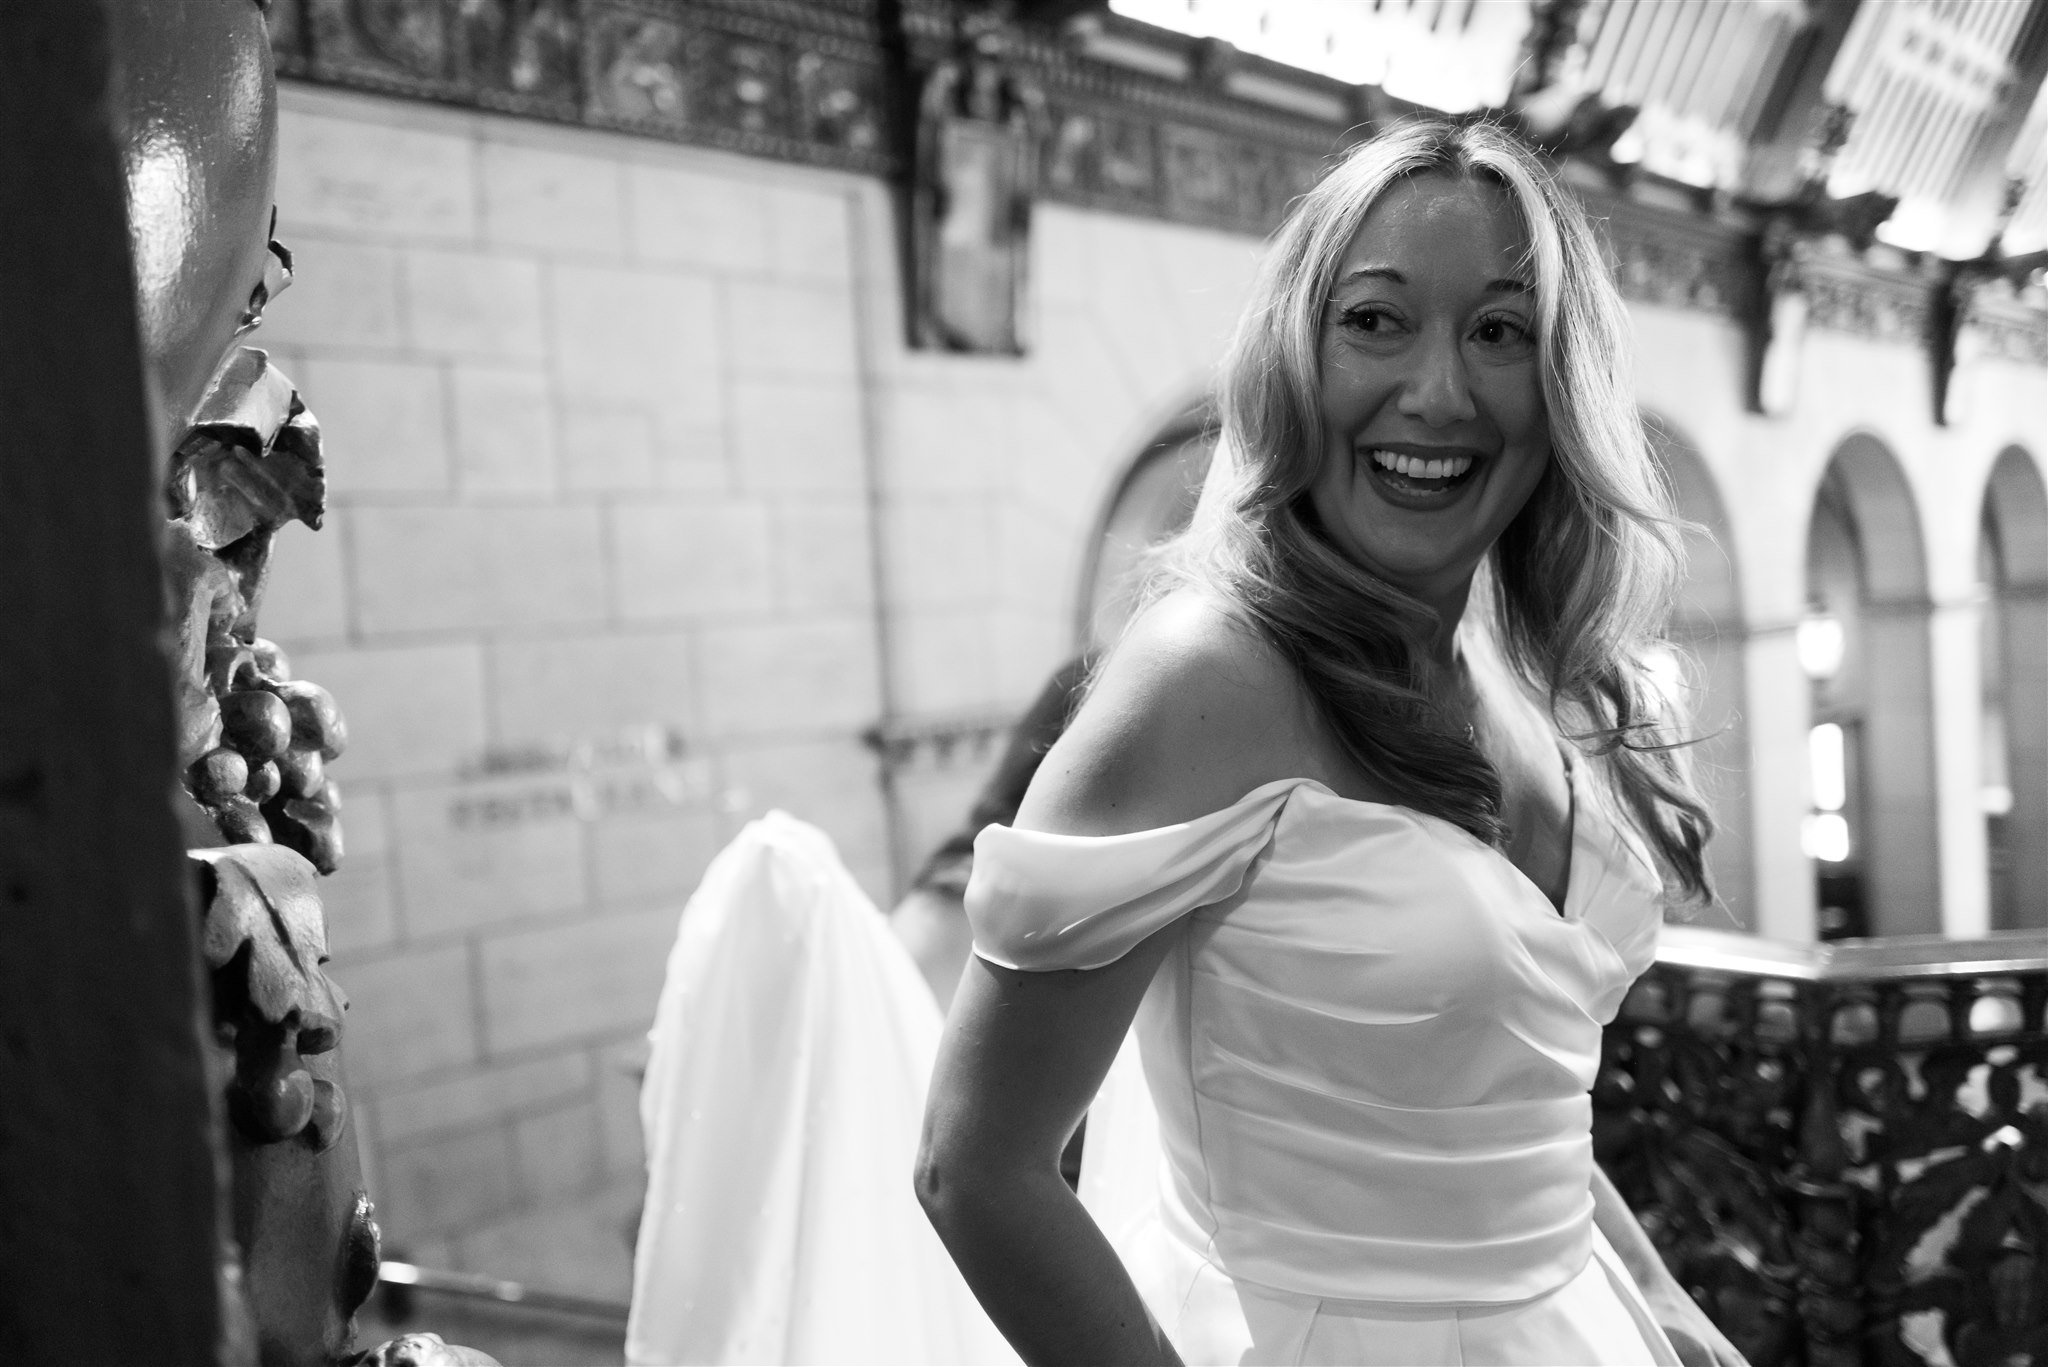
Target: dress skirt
1598 1317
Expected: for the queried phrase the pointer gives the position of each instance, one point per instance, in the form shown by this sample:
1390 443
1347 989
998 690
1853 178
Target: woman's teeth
1414 467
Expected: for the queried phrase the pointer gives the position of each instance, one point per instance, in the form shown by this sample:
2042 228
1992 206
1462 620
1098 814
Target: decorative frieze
777 78
1676 258
822 82
1847 295
1184 149
1099 160
2009 329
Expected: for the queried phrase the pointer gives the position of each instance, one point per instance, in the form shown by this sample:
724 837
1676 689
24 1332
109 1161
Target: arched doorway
1153 501
1708 623
2013 569
1872 831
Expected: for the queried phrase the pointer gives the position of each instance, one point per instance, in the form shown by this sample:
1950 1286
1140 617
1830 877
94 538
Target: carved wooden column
110 1198
254 742
137 152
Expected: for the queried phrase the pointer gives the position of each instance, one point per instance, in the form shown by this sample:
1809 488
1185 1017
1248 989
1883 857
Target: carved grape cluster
275 1096
267 779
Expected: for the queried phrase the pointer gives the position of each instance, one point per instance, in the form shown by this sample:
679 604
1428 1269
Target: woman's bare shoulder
1190 711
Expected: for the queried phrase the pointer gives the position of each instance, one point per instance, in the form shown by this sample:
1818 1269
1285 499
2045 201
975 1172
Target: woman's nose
1436 391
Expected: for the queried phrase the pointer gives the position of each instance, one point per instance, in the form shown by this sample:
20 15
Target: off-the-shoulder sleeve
1041 902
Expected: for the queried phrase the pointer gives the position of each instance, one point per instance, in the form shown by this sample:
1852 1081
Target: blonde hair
1578 586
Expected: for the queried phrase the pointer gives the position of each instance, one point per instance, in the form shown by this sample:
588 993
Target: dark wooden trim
110 1167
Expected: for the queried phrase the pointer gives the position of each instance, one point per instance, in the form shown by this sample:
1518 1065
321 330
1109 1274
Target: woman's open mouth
1421 482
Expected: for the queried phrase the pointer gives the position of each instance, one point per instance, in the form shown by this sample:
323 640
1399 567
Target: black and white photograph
1024 682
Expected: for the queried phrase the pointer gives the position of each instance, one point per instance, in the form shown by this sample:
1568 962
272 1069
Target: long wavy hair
1577 589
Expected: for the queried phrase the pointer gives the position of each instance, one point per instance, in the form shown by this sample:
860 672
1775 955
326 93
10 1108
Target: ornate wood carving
1843 1165
257 741
1793 249
259 815
264 823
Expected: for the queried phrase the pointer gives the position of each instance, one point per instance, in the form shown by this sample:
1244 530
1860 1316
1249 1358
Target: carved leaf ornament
265 938
252 461
265 898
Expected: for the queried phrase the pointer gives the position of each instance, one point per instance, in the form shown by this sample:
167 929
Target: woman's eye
1501 332
1368 319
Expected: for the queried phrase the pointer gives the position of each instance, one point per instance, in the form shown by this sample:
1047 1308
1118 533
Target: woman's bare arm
1699 1342
1021 1059
1183 716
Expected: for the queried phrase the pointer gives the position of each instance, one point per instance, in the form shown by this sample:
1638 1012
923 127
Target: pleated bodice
1372 1043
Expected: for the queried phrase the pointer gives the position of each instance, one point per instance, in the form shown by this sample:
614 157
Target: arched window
1872 831
2013 567
1152 502
1708 623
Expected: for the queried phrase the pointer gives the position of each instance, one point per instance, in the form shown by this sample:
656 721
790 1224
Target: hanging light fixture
1825 834
1821 644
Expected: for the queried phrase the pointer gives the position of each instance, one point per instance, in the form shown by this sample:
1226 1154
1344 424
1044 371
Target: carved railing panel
1842 1151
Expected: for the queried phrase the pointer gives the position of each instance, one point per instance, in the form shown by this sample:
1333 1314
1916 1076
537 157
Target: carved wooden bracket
1965 323
1788 250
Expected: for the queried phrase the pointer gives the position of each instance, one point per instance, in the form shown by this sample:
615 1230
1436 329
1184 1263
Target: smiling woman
1432 398
1367 871
1438 298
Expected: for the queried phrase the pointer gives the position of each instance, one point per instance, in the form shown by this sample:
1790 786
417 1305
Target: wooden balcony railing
1842 1150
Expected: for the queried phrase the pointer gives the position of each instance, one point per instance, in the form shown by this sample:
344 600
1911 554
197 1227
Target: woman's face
1435 431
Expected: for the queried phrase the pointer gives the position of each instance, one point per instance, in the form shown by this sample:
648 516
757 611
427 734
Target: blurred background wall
667 489
641 510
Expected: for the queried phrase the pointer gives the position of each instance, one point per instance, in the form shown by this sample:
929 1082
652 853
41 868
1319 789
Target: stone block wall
641 514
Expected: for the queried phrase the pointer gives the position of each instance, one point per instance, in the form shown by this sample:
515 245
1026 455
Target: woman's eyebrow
1372 273
1388 273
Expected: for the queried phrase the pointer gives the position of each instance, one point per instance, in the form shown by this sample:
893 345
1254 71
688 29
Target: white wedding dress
1371 1051
784 1093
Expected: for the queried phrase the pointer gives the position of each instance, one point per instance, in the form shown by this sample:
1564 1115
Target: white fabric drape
791 1052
